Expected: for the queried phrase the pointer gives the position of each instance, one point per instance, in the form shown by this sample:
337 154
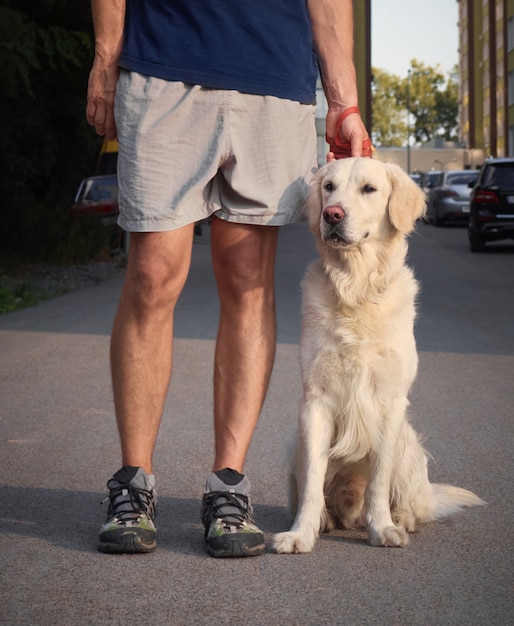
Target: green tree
432 101
389 119
429 96
447 107
47 146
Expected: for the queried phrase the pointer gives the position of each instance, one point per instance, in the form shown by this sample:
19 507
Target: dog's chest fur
350 352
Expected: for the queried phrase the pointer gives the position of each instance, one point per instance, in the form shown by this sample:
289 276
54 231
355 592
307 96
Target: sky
425 30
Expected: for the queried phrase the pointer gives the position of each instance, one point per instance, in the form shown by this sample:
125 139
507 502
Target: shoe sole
127 543
222 548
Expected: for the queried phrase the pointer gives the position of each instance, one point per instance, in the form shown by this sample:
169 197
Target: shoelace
127 502
216 501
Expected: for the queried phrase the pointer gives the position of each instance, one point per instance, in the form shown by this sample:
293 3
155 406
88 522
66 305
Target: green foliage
23 295
447 107
87 238
429 96
46 50
389 120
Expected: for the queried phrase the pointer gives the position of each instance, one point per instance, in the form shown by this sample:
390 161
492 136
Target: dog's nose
333 214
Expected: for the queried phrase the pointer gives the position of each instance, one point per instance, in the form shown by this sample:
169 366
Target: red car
97 195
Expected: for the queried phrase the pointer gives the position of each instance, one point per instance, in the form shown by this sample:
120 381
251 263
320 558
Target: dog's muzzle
332 227
333 214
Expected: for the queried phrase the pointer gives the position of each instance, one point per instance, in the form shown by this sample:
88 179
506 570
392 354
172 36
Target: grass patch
19 295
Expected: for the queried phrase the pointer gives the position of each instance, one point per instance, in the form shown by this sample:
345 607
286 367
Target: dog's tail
449 500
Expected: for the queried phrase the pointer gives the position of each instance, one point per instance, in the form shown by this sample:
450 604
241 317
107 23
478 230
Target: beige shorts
186 152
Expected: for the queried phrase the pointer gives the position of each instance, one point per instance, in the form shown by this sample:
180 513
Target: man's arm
332 28
108 20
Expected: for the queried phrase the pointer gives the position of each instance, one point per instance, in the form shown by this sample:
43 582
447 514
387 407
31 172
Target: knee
154 284
245 283
241 272
245 270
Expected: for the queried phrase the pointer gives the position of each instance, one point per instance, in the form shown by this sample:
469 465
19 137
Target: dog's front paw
389 537
292 543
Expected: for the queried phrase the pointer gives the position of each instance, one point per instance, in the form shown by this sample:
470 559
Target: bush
47 145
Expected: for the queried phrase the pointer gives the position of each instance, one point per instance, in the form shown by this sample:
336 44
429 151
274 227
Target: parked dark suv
491 216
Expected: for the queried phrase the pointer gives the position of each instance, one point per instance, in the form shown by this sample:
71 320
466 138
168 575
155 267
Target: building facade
486 63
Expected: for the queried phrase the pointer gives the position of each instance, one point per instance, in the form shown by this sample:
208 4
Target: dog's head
356 200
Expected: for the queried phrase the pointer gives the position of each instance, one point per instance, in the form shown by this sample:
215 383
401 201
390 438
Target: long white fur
357 461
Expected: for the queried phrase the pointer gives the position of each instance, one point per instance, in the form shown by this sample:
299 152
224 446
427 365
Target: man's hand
332 31
347 135
100 98
108 20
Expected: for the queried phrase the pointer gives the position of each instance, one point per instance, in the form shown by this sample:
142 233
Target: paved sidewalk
58 447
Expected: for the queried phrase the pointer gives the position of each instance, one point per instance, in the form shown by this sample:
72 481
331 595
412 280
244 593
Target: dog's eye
368 189
329 186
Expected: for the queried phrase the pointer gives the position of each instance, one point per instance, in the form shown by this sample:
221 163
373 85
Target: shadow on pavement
71 519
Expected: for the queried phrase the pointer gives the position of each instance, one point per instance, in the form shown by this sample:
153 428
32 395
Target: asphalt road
58 447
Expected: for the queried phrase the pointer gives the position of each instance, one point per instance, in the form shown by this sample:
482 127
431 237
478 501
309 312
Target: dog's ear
407 201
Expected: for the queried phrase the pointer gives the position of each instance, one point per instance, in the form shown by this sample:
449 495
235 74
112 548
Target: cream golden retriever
357 461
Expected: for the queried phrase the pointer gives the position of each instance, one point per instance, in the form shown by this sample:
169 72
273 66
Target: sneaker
227 516
132 508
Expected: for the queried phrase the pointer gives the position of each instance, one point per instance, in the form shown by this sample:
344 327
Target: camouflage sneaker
132 508
227 516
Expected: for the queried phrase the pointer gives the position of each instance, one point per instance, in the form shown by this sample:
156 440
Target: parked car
492 204
417 178
448 199
428 179
97 195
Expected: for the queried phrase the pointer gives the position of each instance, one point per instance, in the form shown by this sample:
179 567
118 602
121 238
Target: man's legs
243 262
141 355
142 337
244 266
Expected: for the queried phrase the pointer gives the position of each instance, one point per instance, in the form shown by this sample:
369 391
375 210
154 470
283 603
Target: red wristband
343 149
345 114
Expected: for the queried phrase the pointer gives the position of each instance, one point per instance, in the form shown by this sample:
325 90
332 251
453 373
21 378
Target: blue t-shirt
260 47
